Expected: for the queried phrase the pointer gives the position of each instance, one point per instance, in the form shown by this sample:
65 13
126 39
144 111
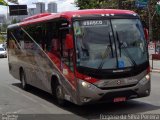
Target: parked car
3 52
1 45
5 45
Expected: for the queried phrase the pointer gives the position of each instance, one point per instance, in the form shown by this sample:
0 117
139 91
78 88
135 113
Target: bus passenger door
67 64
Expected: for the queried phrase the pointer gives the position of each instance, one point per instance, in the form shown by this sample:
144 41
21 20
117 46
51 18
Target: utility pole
150 19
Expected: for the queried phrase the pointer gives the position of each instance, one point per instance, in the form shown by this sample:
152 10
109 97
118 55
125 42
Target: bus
82 56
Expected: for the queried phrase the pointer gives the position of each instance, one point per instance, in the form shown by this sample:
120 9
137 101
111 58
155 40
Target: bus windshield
110 44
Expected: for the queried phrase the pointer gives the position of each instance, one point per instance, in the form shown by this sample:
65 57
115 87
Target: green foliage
14 21
2 39
88 4
91 4
127 4
158 9
3 27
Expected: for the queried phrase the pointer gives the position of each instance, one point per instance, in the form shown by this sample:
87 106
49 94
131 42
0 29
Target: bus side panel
46 65
66 77
13 64
13 52
39 67
17 58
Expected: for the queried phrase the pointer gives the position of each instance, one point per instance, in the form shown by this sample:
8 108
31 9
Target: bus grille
111 95
117 87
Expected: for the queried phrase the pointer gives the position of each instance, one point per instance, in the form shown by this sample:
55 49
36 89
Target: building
31 11
2 18
52 7
17 18
20 17
40 7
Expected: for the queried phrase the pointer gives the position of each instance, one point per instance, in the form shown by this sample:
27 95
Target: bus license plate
119 99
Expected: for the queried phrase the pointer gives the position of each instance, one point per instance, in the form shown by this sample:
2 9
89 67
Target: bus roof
69 14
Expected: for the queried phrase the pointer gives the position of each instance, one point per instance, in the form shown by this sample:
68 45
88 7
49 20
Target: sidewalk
156 66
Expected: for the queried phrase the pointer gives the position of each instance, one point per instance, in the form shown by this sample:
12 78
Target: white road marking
29 98
33 100
14 90
45 107
18 111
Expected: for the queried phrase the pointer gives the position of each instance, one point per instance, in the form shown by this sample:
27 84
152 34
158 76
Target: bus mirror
69 41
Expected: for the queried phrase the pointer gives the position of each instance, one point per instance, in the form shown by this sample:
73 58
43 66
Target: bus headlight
86 84
147 77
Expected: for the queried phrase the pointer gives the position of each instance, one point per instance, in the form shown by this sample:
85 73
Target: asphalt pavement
39 105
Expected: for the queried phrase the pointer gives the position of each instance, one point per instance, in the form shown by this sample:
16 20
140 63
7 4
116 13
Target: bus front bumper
89 93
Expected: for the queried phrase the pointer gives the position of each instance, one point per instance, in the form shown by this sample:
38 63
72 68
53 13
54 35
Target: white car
1 45
3 52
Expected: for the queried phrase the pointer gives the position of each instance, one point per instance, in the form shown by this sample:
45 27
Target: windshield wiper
105 53
125 50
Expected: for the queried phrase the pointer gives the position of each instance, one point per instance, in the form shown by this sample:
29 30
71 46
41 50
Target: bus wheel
23 80
59 95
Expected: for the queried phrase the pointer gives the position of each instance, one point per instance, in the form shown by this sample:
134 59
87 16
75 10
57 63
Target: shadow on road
93 111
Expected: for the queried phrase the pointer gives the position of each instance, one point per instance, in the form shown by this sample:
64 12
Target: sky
63 5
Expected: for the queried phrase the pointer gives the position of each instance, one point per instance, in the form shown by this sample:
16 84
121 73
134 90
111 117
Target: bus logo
118 82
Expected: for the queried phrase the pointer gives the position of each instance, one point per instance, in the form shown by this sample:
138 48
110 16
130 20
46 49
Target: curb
155 70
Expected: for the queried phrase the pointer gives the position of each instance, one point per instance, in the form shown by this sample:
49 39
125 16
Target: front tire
59 95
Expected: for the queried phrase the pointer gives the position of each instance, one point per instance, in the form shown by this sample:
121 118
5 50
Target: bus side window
11 41
16 38
55 47
52 38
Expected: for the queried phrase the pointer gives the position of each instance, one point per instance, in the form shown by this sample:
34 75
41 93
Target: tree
147 14
91 4
14 21
3 27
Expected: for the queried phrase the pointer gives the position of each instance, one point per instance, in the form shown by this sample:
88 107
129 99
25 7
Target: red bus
83 56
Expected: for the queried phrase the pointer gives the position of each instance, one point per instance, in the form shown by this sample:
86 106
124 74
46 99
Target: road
38 105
